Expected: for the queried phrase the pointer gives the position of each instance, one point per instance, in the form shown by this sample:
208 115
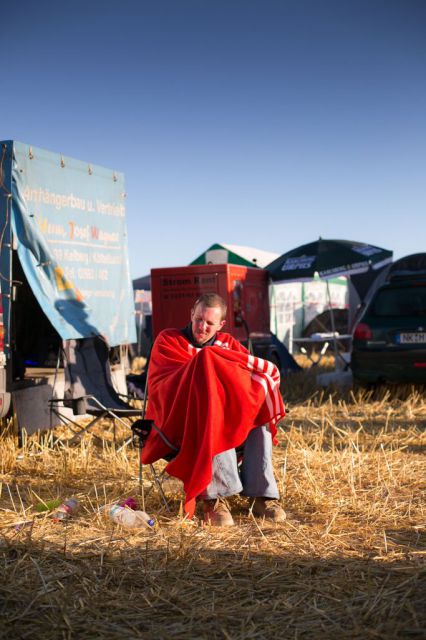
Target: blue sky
264 123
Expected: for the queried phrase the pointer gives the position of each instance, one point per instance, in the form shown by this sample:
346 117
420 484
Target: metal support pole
333 326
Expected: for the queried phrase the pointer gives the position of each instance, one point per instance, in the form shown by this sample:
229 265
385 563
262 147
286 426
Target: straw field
349 562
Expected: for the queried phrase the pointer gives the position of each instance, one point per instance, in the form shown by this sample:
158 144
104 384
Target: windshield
401 301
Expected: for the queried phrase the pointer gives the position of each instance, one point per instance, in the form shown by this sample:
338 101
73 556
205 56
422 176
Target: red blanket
206 401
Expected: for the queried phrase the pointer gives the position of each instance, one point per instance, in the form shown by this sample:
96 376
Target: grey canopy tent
327 259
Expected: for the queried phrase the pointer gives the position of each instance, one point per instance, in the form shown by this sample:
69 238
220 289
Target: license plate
411 338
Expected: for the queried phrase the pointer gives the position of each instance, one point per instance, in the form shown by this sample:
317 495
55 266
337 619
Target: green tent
235 254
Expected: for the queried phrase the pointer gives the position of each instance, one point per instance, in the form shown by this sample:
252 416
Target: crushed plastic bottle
129 518
64 511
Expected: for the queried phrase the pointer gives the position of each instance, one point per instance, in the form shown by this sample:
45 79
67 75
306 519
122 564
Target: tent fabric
206 401
327 258
142 283
235 254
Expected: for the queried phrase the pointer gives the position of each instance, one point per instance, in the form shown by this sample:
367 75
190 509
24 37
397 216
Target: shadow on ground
140 587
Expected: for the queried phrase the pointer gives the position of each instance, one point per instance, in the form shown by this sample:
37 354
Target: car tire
363 384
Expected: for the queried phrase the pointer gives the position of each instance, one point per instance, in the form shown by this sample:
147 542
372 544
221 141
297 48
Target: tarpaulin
68 219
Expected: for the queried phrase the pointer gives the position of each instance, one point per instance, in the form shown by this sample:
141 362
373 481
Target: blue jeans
255 478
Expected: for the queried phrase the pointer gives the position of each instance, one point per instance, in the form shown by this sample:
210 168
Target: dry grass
348 563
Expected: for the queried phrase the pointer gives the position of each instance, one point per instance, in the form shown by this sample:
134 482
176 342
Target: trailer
245 290
64 272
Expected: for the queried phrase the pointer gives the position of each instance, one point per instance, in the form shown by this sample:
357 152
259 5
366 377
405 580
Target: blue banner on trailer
68 221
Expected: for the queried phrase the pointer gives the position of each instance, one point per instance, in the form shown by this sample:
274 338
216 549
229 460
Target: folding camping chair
88 387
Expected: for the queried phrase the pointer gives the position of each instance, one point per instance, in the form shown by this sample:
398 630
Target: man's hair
212 300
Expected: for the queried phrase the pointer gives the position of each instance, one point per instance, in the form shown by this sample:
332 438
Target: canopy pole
333 326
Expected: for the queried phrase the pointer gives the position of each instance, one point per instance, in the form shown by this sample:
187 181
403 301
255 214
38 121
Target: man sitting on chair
209 395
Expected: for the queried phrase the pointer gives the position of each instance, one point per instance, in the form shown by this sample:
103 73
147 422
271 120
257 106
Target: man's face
205 322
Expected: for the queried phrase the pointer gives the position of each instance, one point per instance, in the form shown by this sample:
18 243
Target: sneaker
217 514
268 509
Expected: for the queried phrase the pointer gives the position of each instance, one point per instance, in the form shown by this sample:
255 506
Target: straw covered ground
349 562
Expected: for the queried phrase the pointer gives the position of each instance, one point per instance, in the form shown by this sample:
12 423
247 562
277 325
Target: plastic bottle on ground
129 518
64 511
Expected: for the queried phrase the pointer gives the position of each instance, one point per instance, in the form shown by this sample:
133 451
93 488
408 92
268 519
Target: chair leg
141 487
67 422
89 426
157 482
124 444
160 487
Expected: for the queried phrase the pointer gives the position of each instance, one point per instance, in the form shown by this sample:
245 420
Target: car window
401 301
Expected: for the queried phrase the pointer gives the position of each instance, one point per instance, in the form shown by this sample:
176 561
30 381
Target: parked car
389 341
